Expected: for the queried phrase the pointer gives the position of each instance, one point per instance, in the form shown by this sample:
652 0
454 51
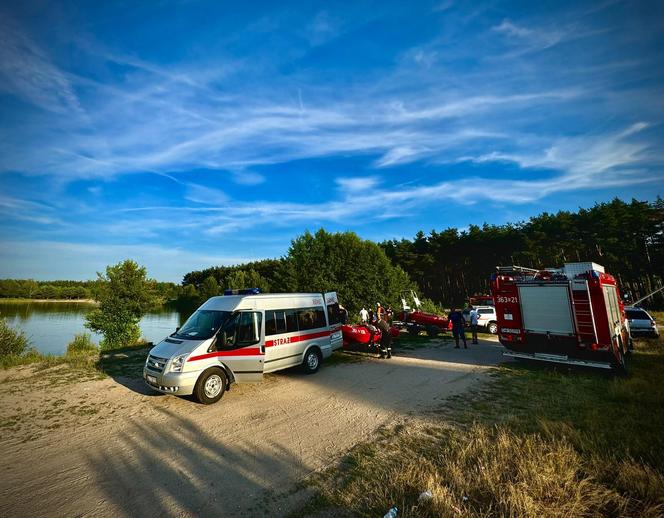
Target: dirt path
118 449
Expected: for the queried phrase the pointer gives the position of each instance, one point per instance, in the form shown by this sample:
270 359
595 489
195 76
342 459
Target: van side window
243 329
291 321
311 318
275 322
485 311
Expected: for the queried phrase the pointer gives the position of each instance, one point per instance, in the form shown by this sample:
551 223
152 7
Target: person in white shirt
364 315
474 317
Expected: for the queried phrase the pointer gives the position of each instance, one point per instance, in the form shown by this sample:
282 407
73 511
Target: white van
239 337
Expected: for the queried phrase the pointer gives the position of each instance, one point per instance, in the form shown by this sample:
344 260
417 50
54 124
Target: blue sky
188 134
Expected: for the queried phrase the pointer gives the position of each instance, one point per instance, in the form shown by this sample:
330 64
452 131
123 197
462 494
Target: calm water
50 326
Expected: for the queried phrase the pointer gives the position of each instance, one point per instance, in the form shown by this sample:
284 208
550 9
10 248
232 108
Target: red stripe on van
294 339
238 352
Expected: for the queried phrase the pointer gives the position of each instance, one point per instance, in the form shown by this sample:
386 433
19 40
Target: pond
50 326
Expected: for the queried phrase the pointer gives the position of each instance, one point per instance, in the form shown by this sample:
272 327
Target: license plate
152 379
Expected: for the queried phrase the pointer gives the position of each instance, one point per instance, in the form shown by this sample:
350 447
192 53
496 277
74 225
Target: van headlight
178 363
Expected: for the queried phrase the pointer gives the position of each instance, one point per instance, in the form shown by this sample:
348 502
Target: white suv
640 322
486 317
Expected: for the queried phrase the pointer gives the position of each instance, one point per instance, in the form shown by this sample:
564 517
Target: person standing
474 319
380 311
385 338
458 322
364 315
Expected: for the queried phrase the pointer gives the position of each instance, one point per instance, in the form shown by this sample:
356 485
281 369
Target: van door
240 346
334 319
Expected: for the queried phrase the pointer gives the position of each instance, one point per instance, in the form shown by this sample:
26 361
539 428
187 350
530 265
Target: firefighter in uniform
386 338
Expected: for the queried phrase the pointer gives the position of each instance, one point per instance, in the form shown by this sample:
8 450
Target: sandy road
144 454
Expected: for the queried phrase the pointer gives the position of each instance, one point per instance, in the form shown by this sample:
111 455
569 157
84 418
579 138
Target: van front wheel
311 361
210 386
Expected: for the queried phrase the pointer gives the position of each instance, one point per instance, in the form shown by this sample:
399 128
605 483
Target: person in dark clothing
458 323
386 338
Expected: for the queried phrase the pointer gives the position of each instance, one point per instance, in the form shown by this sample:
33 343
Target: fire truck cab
571 315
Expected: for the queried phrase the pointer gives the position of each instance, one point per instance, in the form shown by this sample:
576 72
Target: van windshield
203 324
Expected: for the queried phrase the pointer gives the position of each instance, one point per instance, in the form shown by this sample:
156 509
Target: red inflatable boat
364 336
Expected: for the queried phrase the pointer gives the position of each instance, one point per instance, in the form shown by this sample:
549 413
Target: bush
12 342
81 344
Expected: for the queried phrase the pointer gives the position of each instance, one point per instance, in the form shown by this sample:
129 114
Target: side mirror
177 329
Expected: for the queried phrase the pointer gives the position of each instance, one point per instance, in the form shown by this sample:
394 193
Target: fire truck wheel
493 328
210 386
311 361
620 366
433 331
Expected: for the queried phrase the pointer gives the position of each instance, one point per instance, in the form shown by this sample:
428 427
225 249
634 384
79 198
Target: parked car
640 322
486 317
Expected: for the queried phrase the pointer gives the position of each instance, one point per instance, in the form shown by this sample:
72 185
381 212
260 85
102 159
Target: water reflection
50 326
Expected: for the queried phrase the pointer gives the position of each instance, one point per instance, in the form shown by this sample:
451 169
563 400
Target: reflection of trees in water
25 310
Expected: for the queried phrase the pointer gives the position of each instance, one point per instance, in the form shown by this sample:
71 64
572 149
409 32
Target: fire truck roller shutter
546 309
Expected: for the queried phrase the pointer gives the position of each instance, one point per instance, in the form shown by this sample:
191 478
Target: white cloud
202 194
27 71
401 155
245 177
356 183
510 29
535 39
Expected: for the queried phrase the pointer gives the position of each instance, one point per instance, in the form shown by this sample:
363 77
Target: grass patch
81 344
82 362
535 441
657 315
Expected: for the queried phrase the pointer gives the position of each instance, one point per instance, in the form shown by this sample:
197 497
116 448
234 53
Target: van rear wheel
493 328
210 386
311 361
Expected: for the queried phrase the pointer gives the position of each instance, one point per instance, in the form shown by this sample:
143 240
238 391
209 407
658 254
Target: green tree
209 288
250 278
358 270
124 294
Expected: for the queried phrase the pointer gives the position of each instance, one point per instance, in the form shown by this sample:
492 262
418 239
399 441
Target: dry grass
483 471
535 442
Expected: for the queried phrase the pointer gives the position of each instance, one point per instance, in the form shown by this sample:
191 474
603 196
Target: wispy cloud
529 39
579 163
27 71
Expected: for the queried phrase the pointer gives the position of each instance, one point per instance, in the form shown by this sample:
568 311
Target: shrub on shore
81 344
12 342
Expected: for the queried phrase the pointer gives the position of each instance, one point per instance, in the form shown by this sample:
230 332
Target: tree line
626 238
358 270
69 290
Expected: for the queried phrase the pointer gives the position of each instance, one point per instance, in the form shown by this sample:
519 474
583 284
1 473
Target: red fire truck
570 315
